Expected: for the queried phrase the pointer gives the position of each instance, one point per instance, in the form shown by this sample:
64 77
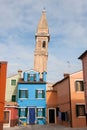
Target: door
51 115
6 118
31 115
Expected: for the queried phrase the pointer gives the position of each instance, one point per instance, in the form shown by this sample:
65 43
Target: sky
67 21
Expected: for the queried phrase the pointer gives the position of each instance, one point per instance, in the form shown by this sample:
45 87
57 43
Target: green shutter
43 94
26 110
37 112
13 82
26 91
36 94
19 93
19 110
43 112
13 98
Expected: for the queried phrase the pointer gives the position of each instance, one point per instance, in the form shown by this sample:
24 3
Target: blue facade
32 98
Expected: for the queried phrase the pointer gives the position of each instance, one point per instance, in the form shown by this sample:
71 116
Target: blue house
32 97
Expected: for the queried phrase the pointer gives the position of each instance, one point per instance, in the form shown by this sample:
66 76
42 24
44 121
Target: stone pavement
43 127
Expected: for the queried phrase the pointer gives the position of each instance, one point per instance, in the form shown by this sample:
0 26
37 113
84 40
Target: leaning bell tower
41 50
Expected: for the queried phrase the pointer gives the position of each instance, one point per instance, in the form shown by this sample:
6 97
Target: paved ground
43 127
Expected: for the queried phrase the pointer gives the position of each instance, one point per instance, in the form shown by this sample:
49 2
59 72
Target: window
44 44
31 77
79 85
23 93
40 112
13 82
40 93
80 110
13 98
64 116
23 112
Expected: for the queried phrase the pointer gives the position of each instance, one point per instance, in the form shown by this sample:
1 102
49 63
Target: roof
61 80
43 29
13 75
66 76
43 21
3 62
21 81
83 54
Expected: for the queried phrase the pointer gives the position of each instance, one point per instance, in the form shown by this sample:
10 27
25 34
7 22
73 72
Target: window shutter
43 94
82 84
77 113
43 114
26 110
26 94
37 112
76 86
19 110
13 98
36 94
19 93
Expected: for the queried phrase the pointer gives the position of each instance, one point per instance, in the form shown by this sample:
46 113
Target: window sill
81 117
40 117
23 98
40 98
79 91
22 117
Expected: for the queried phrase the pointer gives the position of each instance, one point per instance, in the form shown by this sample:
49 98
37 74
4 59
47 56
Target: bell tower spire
41 50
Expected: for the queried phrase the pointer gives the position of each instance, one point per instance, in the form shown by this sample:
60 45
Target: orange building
71 101
83 57
3 68
51 102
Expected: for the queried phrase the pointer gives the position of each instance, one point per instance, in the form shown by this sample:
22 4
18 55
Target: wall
3 68
76 98
51 102
51 96
32 101
63 99
84 62
14 115
11 89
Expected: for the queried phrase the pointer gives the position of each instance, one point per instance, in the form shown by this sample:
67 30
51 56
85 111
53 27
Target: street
43 127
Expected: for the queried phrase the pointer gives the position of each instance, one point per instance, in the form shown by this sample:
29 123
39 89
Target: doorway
52 115
6 118
31 115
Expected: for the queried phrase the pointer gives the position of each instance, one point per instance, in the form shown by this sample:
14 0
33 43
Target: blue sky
67 20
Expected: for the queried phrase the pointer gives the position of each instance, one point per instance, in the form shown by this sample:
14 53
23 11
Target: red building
10 114
3 69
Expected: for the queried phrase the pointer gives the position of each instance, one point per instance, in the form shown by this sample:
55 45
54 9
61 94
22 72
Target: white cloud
68 29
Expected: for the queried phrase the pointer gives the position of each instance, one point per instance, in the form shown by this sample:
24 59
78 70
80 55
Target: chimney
20 72
66 75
